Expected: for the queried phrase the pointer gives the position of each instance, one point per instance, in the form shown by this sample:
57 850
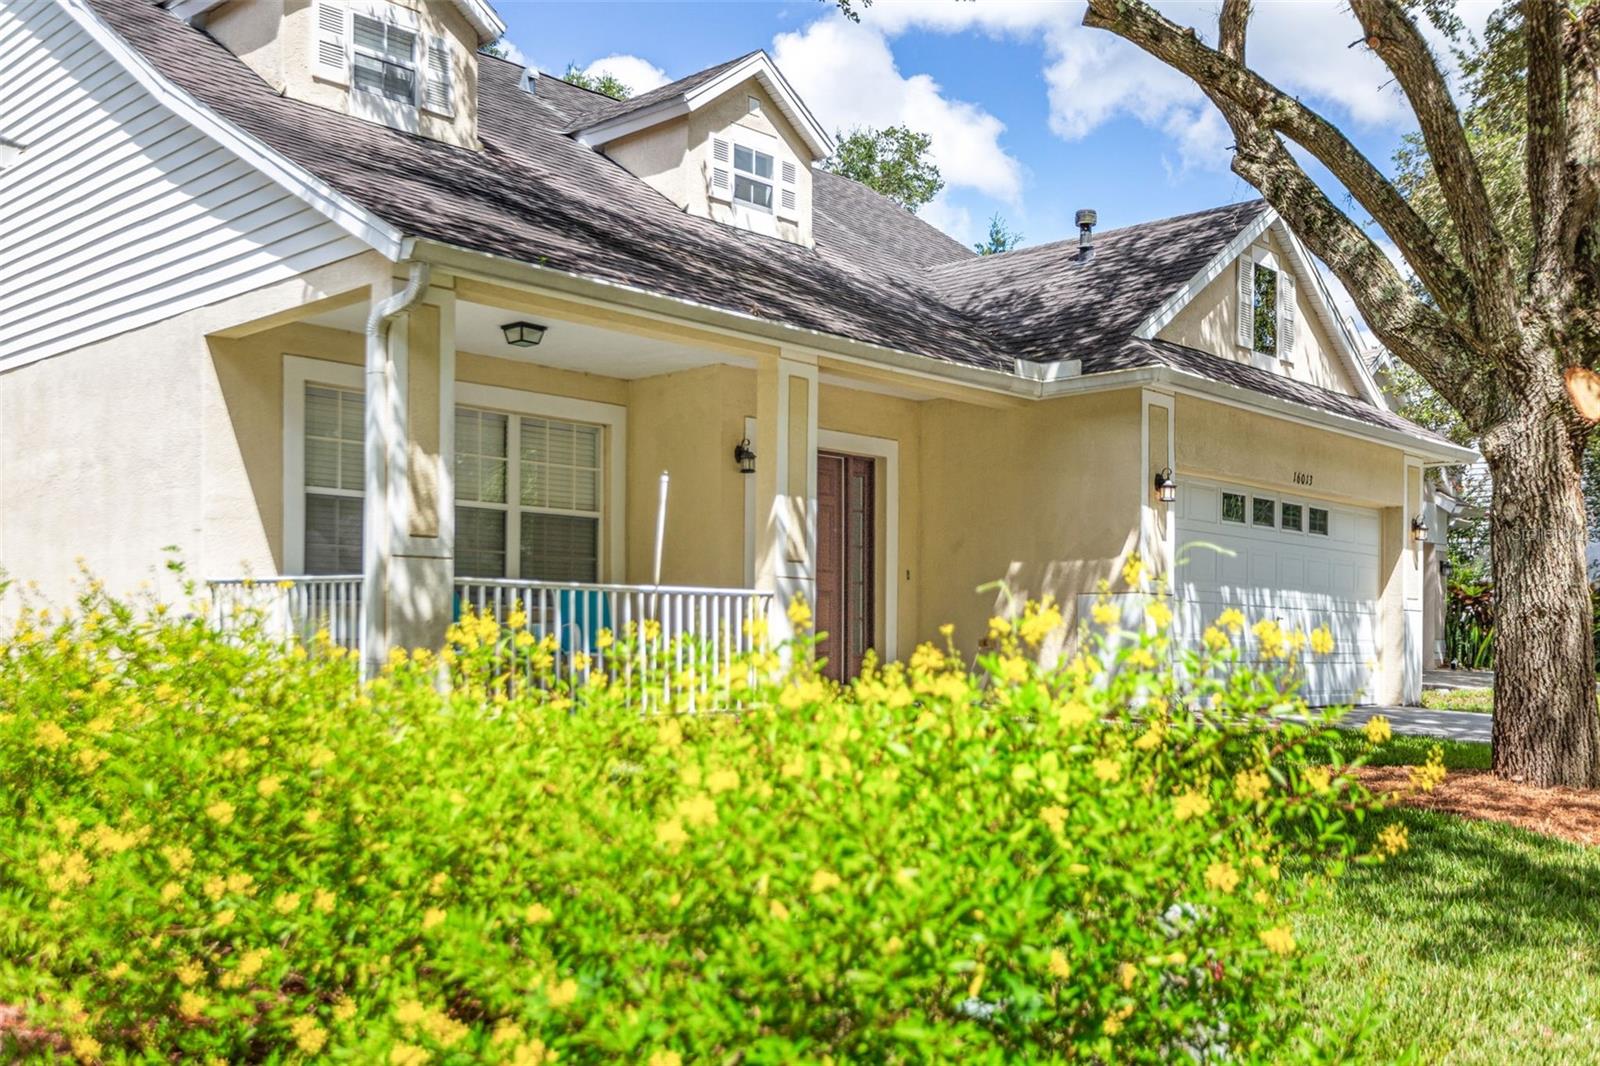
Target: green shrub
218 849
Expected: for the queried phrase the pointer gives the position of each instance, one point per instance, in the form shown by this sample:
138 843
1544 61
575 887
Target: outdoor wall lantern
745 456
1166 488
522 334
1419 529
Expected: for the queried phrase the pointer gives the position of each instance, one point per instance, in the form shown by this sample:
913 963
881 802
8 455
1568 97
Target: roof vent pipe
1086 219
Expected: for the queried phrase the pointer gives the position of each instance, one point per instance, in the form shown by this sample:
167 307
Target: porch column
786 483
416 541
1399 674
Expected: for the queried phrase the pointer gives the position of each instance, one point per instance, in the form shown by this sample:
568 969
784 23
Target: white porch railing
678 628
293 608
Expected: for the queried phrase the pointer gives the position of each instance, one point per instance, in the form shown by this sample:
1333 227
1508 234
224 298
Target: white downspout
381 434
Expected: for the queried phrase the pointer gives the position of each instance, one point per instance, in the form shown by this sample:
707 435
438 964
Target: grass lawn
1405 750
1480 700
1481 944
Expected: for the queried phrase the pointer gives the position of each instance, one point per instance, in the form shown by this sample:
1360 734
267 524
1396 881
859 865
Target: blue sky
1032 115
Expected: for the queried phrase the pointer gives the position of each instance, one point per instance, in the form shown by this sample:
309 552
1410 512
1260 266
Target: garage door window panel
1319 521
1232 507
1263 512
1293 517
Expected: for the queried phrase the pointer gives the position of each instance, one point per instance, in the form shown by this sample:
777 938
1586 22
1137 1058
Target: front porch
583 484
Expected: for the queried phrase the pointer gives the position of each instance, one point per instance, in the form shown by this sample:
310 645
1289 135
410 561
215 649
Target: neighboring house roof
878 275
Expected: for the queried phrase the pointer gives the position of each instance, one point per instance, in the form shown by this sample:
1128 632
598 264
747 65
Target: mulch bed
1567 813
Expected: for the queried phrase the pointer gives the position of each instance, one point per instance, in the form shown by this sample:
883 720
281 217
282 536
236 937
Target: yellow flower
344 1009
1141 658
49 735
537 914
1038 623
431 917
823 880
189 973
1322 640
665 1058
1107 770
561 993
407 1055
604 639
192 1005
1151 738
220 812
1058 966
1054 817
1133 571
1222 877
269 786
1377 729
698 810
241 883
287 903
1231 620
1279 940
1251 785
224 919
1431 774
722 781
1393 839
1190 804
1105 614
1011 669
1074 714
1127 974
532 1053
778 911
1216 640
1159 613
671 834
286 584
118 972
86 1048
1270 638
322 901
171 891
799 614
67 827
308 1035
320 757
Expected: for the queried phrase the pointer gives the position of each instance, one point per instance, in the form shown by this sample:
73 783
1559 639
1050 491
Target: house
308 288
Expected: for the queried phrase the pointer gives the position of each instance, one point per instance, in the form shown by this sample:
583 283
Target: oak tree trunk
1546 728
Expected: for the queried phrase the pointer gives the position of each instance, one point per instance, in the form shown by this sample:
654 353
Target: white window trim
770 182
300 371
375 107
1280 360
613 421
887 453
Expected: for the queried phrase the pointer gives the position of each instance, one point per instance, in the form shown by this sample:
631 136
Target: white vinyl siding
161 218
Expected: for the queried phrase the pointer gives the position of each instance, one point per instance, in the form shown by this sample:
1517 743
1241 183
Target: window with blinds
335 473
385 59
528 494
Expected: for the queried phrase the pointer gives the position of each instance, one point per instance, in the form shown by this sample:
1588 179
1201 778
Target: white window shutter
720 176
788 195
330 49
1247 301
1286 314
439 94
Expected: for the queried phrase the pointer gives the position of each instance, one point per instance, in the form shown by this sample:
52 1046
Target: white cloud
951 218
1093 76
637 74
848 77
513 53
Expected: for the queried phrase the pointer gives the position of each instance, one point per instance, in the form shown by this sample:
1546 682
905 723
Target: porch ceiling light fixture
1166 488
523 334
1419 529
745 456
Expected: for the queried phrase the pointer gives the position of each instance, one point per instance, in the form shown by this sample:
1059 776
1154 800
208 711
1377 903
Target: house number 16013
1301 479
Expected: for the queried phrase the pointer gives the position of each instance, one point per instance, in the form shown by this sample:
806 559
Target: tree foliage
892 160
1002 238
604 84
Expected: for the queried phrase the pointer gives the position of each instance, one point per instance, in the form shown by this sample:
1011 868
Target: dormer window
385 60
1266 309
752 177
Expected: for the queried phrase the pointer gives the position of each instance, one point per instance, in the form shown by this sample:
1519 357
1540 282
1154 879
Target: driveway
1418 721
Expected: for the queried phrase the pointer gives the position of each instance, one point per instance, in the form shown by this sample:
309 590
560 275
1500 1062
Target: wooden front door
846 499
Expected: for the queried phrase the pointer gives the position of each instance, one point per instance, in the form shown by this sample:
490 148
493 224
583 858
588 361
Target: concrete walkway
1453 679
1418 721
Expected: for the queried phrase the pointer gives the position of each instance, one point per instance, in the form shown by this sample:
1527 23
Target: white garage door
1300 562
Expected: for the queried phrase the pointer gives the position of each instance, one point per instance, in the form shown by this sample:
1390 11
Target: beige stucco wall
674 158
276 39
1210 321
1043 496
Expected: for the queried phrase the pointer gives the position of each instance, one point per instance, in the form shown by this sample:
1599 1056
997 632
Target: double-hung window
384 60
1266 306
752 177
528 496
335 471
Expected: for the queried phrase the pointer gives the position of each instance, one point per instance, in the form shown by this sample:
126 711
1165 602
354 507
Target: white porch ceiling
566 345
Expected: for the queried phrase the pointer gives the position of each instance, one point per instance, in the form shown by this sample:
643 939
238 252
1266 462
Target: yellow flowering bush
269 861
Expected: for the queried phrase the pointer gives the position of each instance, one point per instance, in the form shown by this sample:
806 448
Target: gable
1209 322
161 219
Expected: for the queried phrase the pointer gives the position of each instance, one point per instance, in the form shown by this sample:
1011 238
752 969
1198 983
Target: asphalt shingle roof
618 108
877 275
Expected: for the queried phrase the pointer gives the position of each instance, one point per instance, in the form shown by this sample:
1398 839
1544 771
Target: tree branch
1547 144
1227 80
1582 224
1393 34
1231 27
